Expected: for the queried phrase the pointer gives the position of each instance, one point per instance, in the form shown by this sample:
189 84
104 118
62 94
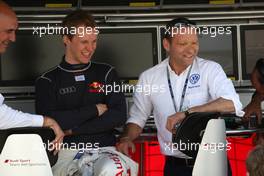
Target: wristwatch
186 112
177 125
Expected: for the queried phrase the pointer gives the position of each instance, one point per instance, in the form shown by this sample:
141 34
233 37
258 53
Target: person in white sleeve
10 118
183 83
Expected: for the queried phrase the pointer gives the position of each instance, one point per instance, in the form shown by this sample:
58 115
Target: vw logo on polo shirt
194 78
67 90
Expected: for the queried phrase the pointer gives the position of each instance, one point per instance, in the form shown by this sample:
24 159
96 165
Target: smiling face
8 26
80 48
182 47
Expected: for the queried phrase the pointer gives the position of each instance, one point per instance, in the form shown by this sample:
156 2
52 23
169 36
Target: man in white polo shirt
187 84
10 118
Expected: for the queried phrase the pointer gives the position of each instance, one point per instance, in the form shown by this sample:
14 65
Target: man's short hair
76 19
178 22
4 7
3 3
255 160
260 68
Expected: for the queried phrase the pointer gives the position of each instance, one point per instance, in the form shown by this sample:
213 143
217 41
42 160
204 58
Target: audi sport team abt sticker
22 163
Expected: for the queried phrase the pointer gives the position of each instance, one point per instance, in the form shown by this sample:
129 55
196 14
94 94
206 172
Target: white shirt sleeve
10 118
142 106
221 86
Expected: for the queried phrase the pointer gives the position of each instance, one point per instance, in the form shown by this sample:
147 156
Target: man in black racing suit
71 94
76 93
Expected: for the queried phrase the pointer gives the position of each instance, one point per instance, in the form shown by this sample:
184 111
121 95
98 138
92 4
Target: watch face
177 125
186 113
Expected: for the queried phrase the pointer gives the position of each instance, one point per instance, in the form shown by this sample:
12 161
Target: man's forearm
218 105
131 131
111 119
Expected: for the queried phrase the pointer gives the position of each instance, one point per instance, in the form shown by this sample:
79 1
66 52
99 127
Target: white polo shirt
207 82
10 118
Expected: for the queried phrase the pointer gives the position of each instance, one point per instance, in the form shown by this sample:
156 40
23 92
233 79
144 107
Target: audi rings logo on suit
67 90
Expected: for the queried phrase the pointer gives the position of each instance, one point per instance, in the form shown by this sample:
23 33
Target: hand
101 108
49 122
124 145
253 108
174 119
